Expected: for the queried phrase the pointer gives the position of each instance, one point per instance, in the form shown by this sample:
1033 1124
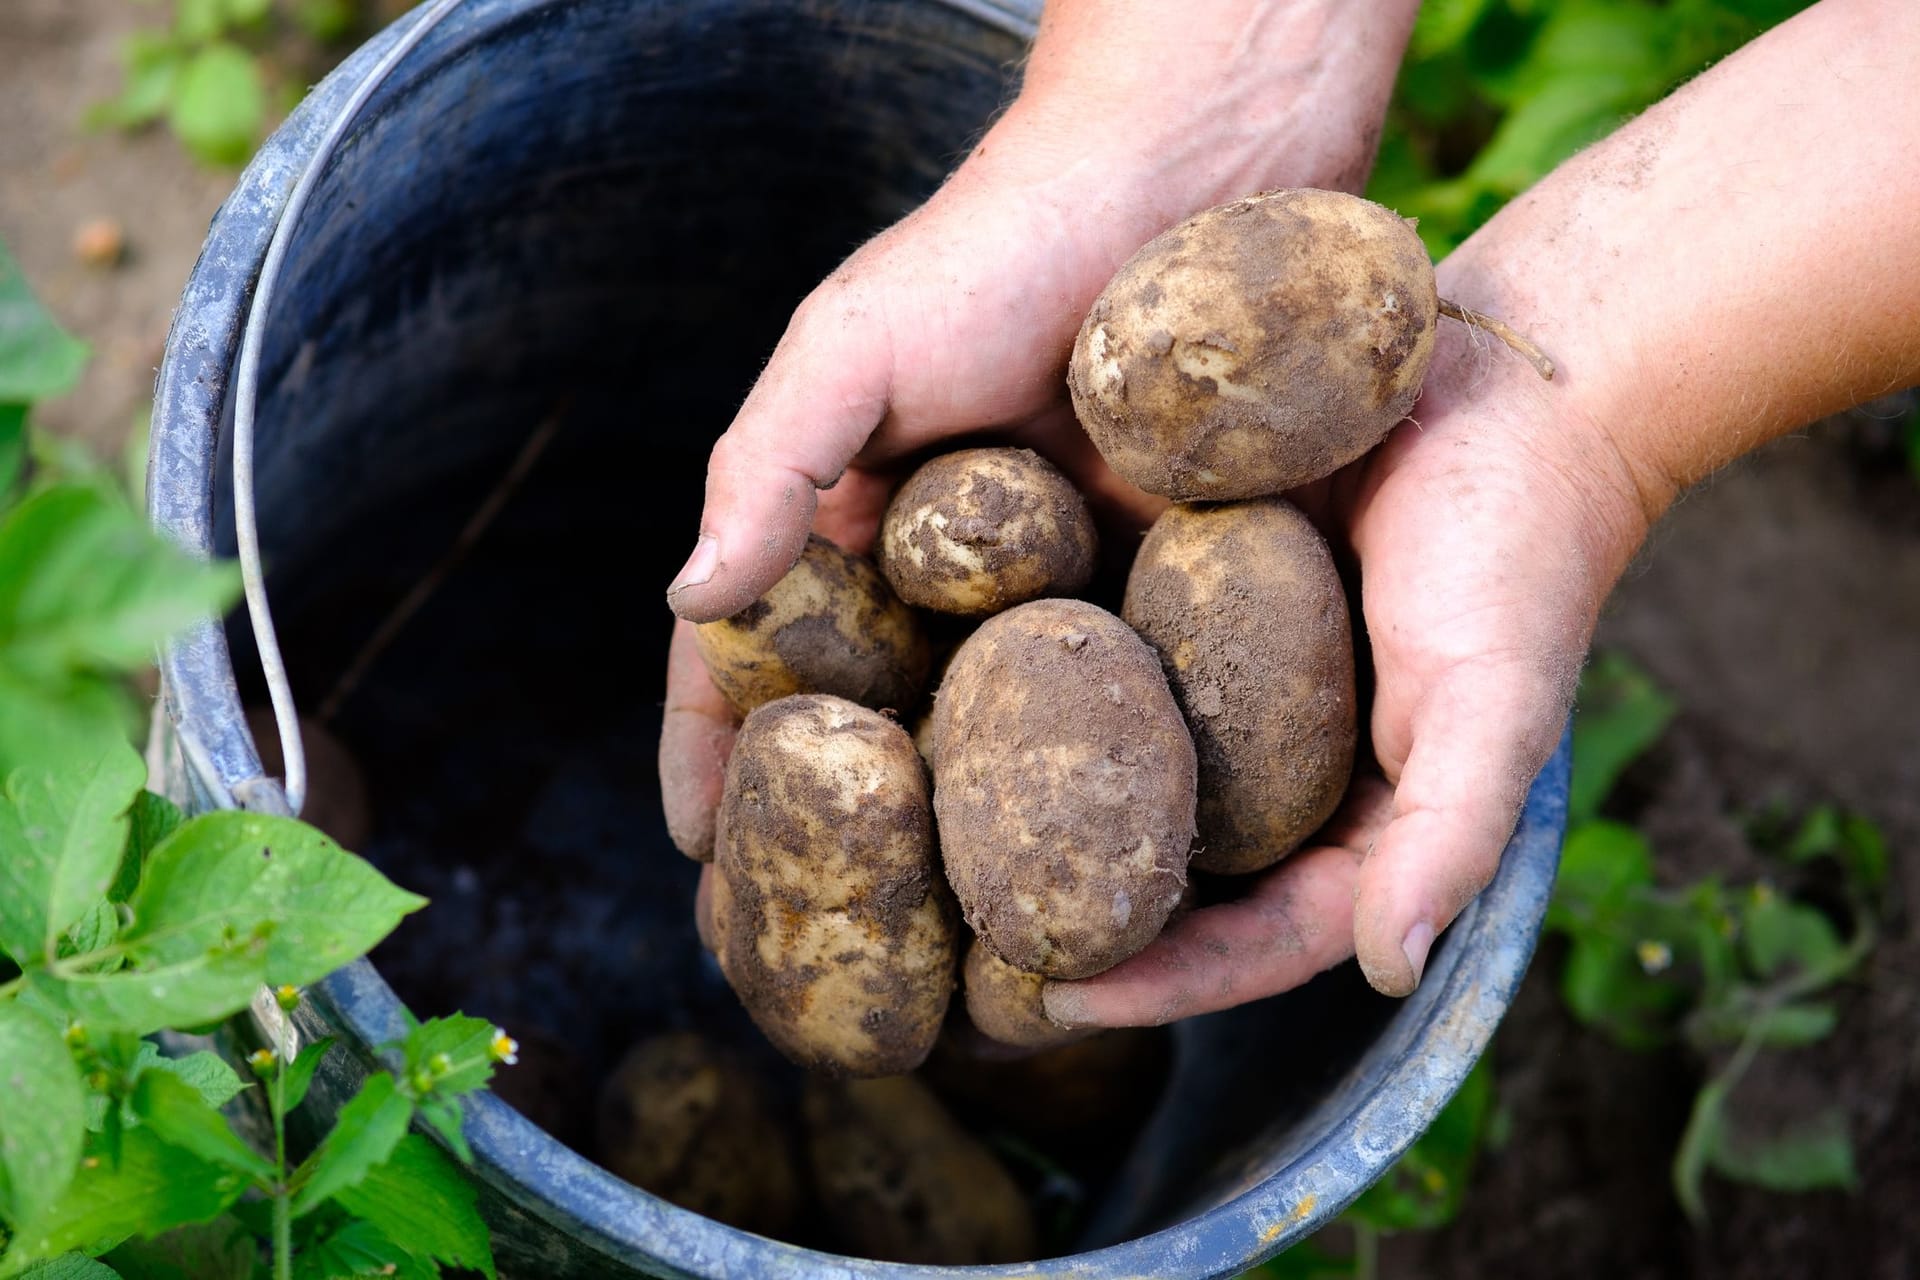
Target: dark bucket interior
593 225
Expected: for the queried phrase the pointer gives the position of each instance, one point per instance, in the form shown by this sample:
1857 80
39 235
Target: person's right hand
960 318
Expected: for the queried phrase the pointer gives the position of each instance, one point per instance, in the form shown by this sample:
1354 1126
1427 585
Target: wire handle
246 397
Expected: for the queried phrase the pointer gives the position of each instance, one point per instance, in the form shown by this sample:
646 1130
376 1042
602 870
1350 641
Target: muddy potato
1004 1003
684 1120
901 1181
1246 610
1088 1098
832 625
1064 786
833 923
1257 346
982 530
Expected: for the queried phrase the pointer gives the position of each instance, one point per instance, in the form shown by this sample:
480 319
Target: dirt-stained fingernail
1415 945
700 565
1065 1004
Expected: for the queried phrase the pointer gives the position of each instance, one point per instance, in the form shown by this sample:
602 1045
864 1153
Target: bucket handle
246 398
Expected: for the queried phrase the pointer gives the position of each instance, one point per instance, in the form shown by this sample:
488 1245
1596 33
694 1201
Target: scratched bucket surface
591 219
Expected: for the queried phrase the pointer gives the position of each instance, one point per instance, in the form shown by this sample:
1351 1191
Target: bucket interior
591 224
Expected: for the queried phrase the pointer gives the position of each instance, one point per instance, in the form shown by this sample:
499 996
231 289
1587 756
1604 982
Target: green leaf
219 105
198 20
38 359
1621 714
61 840
364 1135
154 818
448 1119
152 1187
1795 1025
1307 1260
72 1266
1601 864
85 585
1853 841
227 874
246 12
176 1111
59 727
195 990
153 63
1442 25
300 1071
1780 936
464 1041
422 1197
93 931
1425 1187
1814 1154
42 1113
1606 986
223 1249
13 449
354 1248
1697 1143
206 1073
325 20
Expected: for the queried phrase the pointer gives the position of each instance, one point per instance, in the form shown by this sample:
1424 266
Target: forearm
1190 105
1735 263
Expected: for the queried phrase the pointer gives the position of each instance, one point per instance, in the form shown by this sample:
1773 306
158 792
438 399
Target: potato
982 530
684 1120
1246 610
1090 1097
832 921
1064 786
1004 1003
832 625
1257 346
903 1182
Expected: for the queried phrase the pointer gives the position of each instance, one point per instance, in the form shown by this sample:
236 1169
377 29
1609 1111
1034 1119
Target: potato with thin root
1257 346
1064 784
1244 605
683 1119
901 1181
831 919
831 625
981 530
1004 1003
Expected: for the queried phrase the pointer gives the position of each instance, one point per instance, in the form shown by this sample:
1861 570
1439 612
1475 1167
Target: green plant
122 918
1728 972
1495 93
206 75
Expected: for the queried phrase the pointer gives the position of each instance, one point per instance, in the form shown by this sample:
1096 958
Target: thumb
1476 745
821 395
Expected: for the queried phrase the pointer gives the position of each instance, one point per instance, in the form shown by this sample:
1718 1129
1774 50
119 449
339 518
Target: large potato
831 918
903 1182
1246 610
1004 1003
687 1122
982 530
1257 346
1064 784
832 625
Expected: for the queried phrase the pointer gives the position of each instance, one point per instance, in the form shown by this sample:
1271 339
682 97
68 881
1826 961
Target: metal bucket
585 222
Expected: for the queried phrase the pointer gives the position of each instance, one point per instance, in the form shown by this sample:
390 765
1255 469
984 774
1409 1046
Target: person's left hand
1487 529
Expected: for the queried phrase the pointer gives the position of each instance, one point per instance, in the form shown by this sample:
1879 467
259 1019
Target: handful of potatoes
1081 762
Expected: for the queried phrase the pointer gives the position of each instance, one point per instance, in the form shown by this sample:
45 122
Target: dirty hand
1489 528
959 319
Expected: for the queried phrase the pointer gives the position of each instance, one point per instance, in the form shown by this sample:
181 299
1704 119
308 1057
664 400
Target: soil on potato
1780 604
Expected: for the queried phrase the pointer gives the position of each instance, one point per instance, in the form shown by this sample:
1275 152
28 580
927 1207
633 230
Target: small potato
903 1182
1004 1003
982 530
1064 784
1257 346
684 1120
1246 610
832 625
831 918
1090 1097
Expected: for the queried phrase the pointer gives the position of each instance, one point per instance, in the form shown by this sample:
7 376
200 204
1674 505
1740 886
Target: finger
1476 745
703 909
822 394
696 737
1293 924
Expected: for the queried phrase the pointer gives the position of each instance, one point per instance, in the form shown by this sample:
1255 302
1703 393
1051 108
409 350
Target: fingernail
700 565
1065 1005
1415 945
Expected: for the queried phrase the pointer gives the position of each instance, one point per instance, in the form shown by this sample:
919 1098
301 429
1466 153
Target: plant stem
282 1196
1366 1252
